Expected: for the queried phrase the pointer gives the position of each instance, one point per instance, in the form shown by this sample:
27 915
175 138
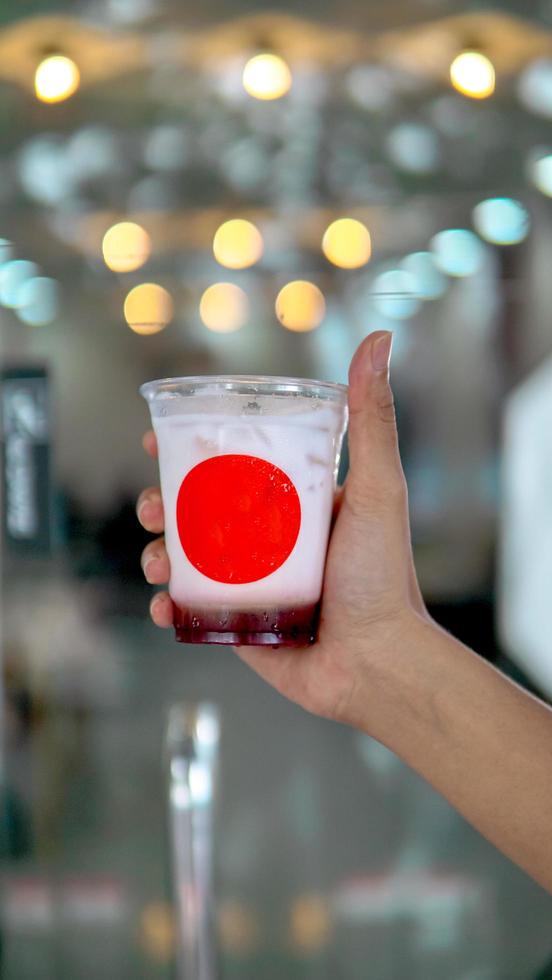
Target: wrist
396 678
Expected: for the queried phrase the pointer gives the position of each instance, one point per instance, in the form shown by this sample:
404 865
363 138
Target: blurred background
176 182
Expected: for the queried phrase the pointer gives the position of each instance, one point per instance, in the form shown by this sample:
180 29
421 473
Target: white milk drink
248 472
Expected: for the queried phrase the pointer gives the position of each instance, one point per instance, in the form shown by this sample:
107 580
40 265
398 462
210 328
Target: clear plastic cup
248 469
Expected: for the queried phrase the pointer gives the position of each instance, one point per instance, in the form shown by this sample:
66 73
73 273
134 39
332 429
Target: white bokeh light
13 275
540 173
45 171
92 153
372 87
38 301
6 250
414 148
458 252
430 281
166 148
535 87
501 221
394 294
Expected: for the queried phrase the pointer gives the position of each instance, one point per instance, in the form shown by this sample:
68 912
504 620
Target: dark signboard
26 484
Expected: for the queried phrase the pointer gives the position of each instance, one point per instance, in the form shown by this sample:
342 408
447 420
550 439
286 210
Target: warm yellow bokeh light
300 306
310 922
126 246
238 928
148 308
473 75
267 76
56 78
158 931
346 243
238 244
224 307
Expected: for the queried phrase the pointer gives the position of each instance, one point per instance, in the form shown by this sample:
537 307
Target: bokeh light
6 250
130 11
346 243
148 308
541 174
224 307
92 153
457 252
245 164
158 931
56 78
414 148
126 246
373 87
45 171
394 294
38 301
310 922
266 77
430 281
13 275
473 75
238 928
300 306
501 221
238 244
167 148
535 87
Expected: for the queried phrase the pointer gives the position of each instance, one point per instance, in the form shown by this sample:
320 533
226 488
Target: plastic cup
248 469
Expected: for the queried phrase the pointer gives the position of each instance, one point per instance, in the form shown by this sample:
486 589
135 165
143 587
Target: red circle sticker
238 518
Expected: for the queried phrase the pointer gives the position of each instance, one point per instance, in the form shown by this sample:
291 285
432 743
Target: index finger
149 443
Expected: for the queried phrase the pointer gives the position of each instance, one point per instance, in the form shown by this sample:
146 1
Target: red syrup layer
260 627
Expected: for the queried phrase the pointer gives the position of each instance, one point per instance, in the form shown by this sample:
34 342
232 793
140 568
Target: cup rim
256 384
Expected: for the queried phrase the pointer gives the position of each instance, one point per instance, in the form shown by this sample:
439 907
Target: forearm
478 738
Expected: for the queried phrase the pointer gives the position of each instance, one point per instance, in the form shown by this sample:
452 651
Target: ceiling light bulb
56 78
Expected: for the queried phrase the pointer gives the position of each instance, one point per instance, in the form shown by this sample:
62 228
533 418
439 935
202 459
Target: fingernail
154 602
381 352
145 569
149 560
148 502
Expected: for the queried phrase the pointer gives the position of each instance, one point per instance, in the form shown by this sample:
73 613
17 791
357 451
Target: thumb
375 466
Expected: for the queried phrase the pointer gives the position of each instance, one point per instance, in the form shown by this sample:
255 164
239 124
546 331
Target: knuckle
156 608
161 610
363 500
396 488
385 407
150 495
145 557
376 496
155 549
